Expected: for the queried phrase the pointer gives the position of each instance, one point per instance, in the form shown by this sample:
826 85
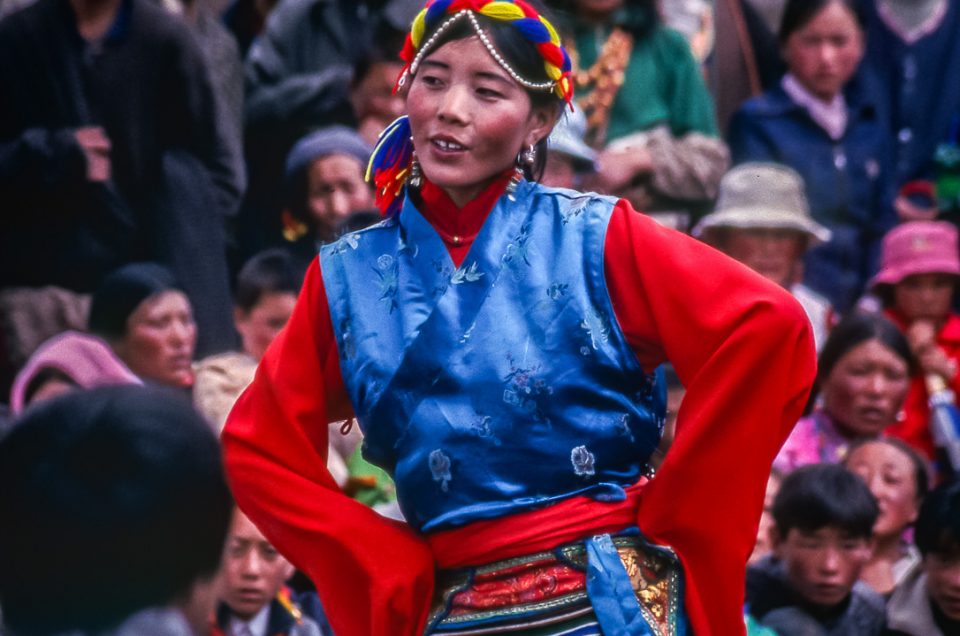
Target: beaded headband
391 159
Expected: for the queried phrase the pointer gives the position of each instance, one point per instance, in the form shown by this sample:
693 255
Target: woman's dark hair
824 495
522 55
937 530
122 291
117 495
921 471
798 13
270 271
45 375
854 330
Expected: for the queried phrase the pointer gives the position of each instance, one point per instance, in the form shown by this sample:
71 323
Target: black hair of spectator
522 55
387 41
113 500
854 330
798 13
921 471
358 221
937 530
122 291
270 271
824 495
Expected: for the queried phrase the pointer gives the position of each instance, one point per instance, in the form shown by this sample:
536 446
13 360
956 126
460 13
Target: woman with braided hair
497 341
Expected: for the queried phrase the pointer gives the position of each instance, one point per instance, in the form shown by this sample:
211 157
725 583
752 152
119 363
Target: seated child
927 602
253 598
823 520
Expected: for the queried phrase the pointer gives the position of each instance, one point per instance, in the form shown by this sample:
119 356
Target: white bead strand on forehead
485 40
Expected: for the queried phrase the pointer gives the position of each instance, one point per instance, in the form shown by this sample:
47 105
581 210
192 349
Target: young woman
819 124
497 341
862 379
899 479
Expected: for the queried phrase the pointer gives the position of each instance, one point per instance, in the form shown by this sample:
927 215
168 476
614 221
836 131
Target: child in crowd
253 598
862 379
569 157
927 603
267 288
918 274
897 476
324 177
762 219
823 520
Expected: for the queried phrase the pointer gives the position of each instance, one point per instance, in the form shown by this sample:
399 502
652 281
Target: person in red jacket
916 283
497 341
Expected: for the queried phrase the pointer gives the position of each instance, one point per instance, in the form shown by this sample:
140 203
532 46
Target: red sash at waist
533 531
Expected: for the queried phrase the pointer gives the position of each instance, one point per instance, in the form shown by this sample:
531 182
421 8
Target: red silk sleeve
375 576
744 350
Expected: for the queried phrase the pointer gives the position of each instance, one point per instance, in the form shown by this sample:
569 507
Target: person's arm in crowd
198 114
743 348
373 575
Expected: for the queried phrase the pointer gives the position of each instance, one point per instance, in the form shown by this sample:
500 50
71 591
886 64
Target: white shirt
257 625
831 117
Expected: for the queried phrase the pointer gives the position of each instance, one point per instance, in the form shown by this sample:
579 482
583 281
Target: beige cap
763 195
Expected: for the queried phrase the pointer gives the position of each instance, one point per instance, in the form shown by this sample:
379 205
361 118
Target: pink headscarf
83 358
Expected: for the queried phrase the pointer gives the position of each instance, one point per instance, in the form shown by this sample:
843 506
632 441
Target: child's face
773 253
924 296
259 326
335 190
943 582
253 571
822 566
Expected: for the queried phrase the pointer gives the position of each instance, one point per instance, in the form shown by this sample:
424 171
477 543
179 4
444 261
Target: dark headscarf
122 291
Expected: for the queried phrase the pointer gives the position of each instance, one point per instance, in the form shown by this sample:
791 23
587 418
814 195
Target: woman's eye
489 92
431 80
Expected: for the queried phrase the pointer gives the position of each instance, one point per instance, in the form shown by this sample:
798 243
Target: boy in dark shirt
823 520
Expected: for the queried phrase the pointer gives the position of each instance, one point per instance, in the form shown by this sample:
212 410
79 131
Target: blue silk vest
501 385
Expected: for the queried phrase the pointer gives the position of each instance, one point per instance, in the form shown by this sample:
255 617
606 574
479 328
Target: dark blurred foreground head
113 501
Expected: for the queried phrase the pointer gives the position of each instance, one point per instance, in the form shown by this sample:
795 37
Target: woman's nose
454 105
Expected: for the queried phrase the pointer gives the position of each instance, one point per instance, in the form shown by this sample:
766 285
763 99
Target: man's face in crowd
253 571
823 565
943 582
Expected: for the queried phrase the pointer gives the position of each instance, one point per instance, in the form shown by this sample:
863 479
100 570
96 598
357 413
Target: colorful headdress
390 163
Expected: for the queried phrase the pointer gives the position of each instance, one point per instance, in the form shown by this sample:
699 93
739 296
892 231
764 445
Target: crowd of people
169 170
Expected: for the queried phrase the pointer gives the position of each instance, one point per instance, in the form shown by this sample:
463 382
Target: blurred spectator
918 276
746 58
114 512
324 185
97 168
898 478
142 312
912 62
762 220
67 362
764 546
267 288
823 517
927 602
569 158
862 379
647 106
819 125
318 63
374 102
245 20
254 600
694 19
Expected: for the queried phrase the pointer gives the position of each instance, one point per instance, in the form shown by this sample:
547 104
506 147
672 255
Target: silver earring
529 156
415 178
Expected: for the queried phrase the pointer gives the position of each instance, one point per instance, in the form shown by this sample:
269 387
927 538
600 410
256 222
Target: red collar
458 227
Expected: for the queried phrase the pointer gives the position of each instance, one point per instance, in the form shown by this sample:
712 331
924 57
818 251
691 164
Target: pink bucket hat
918 247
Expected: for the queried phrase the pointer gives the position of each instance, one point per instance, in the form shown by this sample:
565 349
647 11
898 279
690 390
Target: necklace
603 81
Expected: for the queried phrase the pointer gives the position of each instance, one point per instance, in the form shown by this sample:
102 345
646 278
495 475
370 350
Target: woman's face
469 118
866 389
924 297
891 477
824 53
160 339
335 190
